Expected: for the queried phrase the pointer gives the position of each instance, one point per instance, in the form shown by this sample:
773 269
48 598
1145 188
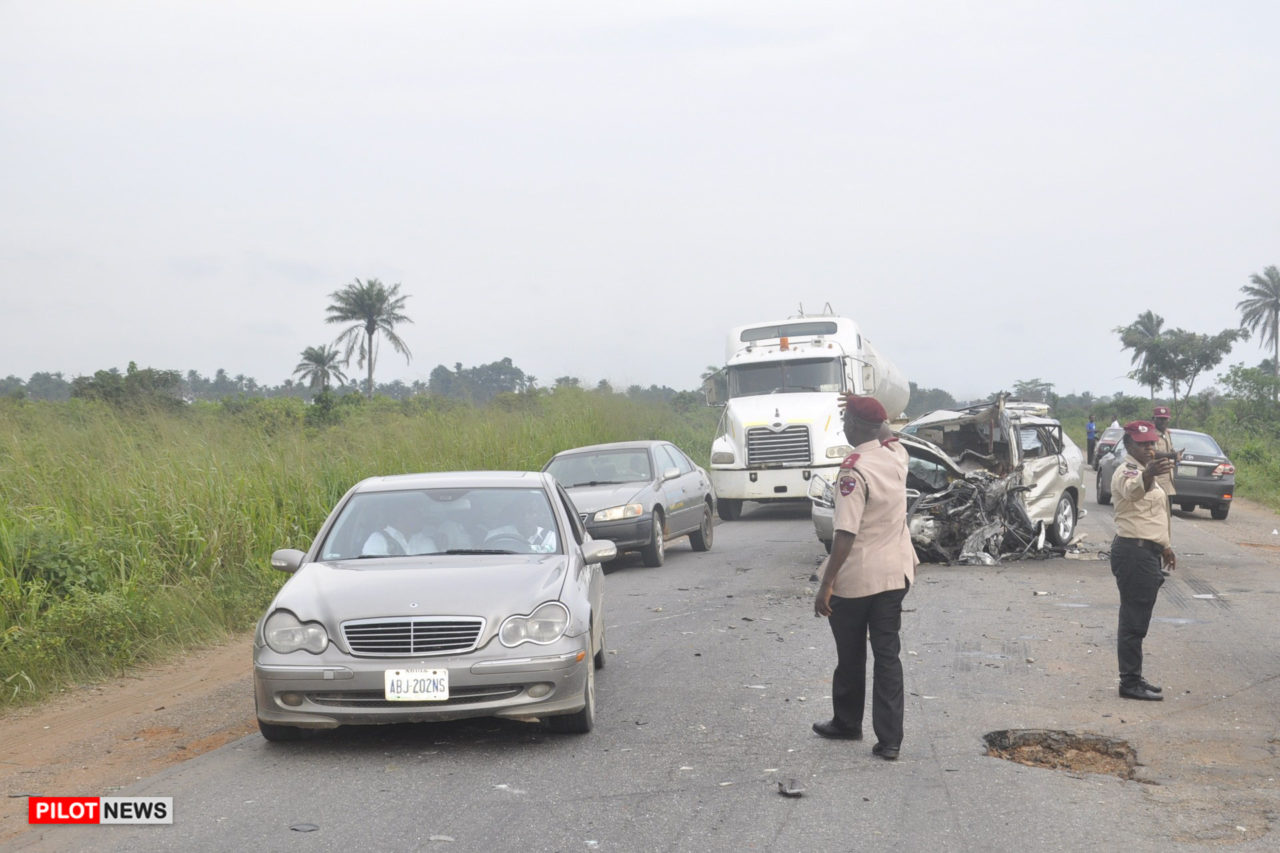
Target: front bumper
334 689
767 484
629 534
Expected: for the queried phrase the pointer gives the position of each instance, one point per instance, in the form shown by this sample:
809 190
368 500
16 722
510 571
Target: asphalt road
715 672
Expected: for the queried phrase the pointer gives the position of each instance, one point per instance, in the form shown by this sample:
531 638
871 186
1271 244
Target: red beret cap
1143 432
1160 412
865 409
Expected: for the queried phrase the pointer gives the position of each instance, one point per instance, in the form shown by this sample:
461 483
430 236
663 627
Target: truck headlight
838 451
722 457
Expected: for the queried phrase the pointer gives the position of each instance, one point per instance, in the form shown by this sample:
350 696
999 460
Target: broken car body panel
983 485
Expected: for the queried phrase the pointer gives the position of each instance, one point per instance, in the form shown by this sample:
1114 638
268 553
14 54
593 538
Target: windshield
1196 442
608 467
443 521
778 377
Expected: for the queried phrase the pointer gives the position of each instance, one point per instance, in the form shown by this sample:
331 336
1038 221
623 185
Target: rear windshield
1198 443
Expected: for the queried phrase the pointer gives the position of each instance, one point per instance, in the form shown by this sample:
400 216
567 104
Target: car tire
579 722
1064 521
701 538
1187 507
655 552
730 509
1104 497
281 734
598 659
1220 512
826 543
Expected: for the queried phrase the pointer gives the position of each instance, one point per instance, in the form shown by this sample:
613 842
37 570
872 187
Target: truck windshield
781 377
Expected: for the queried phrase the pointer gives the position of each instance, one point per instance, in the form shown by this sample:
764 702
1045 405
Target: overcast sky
601 189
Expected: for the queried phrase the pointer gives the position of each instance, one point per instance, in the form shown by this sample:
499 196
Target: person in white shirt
532 524
399 536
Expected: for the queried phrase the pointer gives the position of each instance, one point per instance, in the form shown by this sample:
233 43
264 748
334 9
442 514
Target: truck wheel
730 509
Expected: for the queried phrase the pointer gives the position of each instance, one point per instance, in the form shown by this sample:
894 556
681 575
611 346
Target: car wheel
826 543
701 538
1064 521
1104 497
730 509
1220 512
278 734
598 660
1187 507
580 722
655 551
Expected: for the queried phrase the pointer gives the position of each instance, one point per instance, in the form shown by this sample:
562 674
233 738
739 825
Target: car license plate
417 685
1186 471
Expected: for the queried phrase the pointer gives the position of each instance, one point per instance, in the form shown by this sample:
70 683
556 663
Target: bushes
125 535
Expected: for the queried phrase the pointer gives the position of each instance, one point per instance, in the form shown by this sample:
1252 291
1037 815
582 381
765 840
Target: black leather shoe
832 729
1154 688
888 753
1140 692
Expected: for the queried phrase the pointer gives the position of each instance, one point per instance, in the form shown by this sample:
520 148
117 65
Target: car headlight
820 491
544 625
285 633
839 451
722 457
616 513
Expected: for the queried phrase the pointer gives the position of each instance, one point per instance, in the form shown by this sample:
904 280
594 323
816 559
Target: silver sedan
431 597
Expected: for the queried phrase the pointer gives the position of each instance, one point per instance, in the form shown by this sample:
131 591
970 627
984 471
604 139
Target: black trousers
1138 577
853 621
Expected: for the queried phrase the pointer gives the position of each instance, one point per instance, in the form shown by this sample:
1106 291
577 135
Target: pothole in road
1058 750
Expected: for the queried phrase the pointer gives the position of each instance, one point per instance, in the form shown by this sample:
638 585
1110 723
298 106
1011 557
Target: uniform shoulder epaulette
888 441
851 460
1133 465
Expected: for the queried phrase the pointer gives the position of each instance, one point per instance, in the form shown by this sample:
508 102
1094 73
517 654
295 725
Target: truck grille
788 447
423 635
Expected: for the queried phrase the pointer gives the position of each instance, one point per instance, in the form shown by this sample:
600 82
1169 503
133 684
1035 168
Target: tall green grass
125 537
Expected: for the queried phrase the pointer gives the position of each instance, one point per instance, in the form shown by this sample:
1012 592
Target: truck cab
782 389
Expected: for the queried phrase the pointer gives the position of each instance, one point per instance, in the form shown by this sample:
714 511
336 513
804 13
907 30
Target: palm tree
1142 336
370 307
1262 310
319 365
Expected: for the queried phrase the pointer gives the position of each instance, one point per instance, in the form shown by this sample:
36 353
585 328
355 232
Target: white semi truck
781 389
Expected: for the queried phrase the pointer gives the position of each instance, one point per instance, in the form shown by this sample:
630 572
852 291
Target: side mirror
287 560
599 551
670 473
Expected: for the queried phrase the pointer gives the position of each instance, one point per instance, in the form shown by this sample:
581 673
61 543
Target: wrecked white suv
983 484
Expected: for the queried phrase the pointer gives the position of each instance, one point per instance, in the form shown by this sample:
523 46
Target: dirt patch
99 738
1058 750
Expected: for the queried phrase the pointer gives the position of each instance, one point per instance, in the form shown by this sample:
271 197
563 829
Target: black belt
1149 544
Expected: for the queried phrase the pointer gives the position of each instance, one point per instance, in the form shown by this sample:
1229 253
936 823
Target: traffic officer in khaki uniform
1164 444
1140 551
870 568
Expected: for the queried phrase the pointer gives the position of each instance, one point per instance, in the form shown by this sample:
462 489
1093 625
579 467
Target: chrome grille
788 447
422 635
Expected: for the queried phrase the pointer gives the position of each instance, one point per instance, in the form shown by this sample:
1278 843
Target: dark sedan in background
1203 477
1110 438
638 494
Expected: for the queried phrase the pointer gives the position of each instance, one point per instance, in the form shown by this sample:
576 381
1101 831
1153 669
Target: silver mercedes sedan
430 597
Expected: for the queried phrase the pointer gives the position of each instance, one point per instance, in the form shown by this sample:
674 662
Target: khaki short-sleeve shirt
1140 514
871 503
1164 444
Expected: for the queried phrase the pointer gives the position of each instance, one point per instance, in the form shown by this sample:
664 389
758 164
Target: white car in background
984 483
